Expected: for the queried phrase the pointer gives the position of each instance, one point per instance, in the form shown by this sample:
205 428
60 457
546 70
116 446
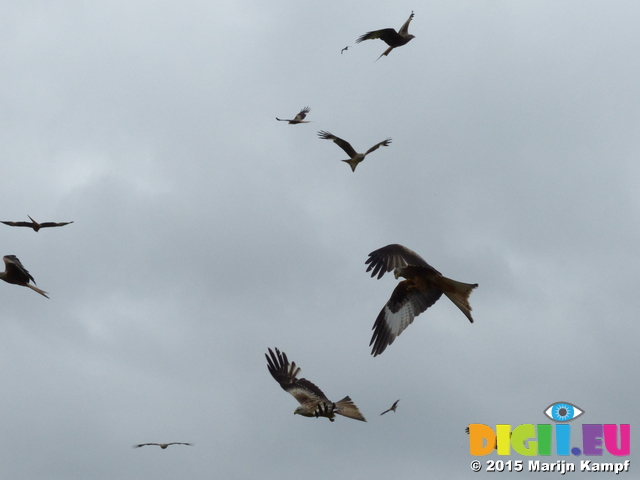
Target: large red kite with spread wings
390 37
422 288
354 157
313 403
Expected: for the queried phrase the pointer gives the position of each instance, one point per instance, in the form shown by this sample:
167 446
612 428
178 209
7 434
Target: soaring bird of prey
393 408
35 225
161 445
14 272
354 157
298 118
313 403
390 37
422 288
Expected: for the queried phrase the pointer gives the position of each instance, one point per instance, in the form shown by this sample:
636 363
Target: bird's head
396 273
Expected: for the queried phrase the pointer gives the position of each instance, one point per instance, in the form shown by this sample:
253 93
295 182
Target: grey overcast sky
206 231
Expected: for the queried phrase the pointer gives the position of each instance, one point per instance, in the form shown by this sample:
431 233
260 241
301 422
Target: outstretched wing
303 113
344 145
406 303
387 35
393 256
404 30
15 269
178 443
378 145
143 444
54 224
19 224
285 374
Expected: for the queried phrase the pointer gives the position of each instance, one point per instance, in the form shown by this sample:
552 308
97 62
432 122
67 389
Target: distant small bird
390 37
393 407
298 118
345 48
354 157
14 272
35 225
313 403
423 286
161 445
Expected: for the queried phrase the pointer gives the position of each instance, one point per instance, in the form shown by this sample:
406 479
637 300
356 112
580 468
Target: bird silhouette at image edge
14 272
35 225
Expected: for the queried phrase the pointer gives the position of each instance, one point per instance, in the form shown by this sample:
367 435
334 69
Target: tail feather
352 163
458 293
385 53
347 408
41 292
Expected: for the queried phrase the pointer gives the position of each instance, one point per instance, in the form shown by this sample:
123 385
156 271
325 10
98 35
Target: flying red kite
354 157
392 409
298 118
161 445
35 225
313 403
390 37
14 272
422 288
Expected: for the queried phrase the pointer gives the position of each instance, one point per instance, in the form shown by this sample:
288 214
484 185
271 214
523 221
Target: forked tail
352 163
458 293
347 408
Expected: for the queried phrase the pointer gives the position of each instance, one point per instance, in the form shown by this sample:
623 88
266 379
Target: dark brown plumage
161 445
422 288
354 157
313 402
35 225
393 408
298 118
390 37
14 272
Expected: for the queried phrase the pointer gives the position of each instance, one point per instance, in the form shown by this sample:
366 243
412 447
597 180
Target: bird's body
343 50
14 272
161 445
35 225
390 37
393 408
299 118
354 157
422 287
313 403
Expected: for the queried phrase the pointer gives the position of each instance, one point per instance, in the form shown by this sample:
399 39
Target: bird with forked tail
354 157
422 287
313 403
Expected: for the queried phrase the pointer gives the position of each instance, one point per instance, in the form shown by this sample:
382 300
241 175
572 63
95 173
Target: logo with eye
563 412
